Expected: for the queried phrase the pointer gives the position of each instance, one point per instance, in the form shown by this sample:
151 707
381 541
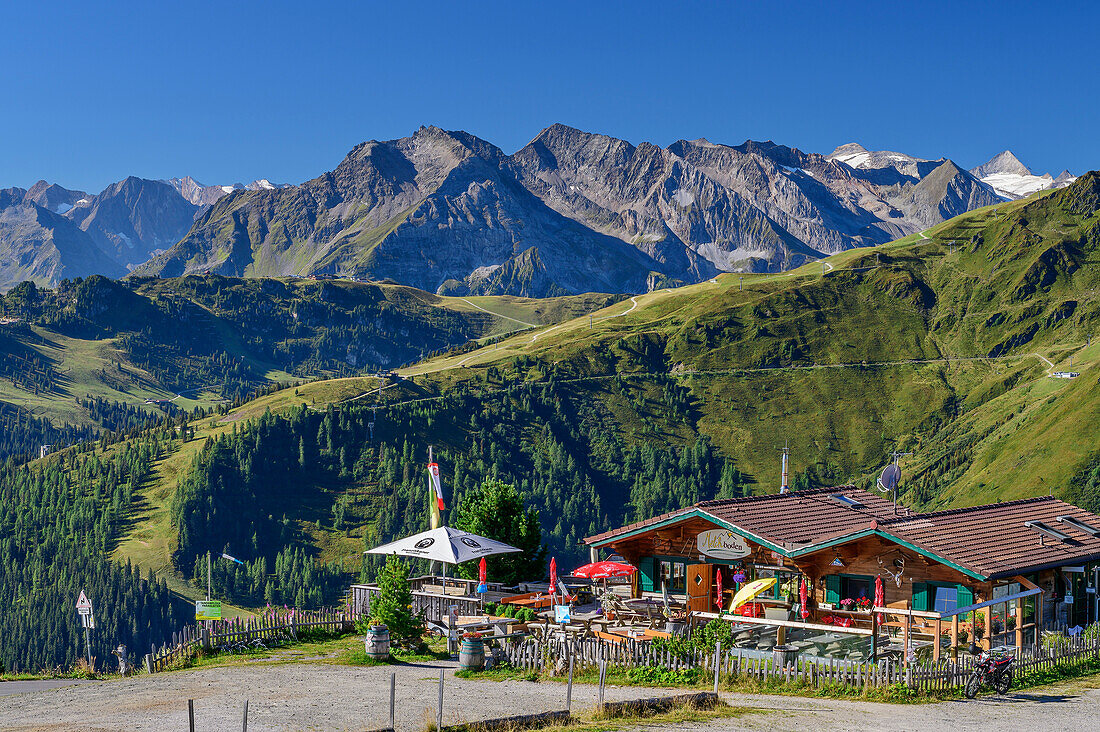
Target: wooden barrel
377 642
471 656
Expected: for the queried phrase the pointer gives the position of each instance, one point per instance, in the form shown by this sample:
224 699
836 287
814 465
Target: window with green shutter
646 573
832 588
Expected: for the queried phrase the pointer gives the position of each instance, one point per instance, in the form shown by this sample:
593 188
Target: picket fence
272 627
553 656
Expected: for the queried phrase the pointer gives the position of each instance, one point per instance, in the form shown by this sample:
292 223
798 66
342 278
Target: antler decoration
896 576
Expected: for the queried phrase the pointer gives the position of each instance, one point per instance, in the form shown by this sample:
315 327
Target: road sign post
84 609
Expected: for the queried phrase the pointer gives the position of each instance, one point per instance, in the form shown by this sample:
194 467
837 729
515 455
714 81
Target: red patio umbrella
880 595
718 580
803 596
603 570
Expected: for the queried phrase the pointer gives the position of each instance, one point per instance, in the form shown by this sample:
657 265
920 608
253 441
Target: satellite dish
891 476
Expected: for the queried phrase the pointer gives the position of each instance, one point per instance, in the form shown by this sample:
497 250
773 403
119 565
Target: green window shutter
646 572
832 588
920 596
966 595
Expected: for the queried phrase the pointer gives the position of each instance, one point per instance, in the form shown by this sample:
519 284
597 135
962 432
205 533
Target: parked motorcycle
993 669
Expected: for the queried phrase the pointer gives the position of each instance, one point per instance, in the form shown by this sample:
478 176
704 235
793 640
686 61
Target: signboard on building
722 544
208 610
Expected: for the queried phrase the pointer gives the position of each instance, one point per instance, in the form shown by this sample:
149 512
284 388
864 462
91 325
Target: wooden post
191 714
905 639
244 719
989 627
717 661
149 663
603 680
393 697
874 635
955 637
1038 620
1019 625
439 716
569 688
937 629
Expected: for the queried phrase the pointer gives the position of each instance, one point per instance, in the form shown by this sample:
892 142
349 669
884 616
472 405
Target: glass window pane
946 599
666 574
678 572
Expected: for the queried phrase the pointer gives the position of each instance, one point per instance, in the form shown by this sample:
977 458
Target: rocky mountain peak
54 197
1064 179
1001 163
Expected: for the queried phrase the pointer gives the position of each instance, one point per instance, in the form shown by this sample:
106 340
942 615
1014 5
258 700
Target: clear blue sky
232 91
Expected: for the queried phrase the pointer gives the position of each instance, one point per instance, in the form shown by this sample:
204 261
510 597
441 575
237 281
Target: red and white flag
437 488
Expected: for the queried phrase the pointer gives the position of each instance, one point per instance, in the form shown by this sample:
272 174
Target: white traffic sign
83 604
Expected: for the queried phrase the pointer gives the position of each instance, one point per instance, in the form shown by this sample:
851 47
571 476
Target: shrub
393 606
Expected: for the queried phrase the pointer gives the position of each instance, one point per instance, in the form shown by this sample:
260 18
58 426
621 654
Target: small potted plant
863 604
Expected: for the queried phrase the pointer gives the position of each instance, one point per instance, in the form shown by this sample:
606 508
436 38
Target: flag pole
431 499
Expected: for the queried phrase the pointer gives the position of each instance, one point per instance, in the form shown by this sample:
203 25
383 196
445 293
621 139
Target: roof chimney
783 488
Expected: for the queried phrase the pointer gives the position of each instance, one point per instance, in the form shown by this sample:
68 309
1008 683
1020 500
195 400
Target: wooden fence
271 627
433 606
554 656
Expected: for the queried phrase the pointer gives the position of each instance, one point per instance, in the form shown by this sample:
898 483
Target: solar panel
847 500
1079 525
1047 530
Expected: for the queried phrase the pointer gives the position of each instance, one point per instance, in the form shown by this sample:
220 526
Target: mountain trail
521 322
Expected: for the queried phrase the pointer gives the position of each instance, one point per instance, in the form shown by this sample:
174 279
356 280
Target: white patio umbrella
446 545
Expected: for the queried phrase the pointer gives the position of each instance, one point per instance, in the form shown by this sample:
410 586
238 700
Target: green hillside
198 341
939 345
942 344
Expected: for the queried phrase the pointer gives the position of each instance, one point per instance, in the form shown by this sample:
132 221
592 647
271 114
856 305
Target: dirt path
329 697
291 696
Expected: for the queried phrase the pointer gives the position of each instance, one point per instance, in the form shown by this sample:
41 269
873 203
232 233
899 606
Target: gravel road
22 687
317 696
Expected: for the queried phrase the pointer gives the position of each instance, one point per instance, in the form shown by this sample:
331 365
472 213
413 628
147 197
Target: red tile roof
994 540
787 520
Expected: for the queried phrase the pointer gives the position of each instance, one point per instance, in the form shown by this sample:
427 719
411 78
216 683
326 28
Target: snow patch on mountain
1011 179
683 198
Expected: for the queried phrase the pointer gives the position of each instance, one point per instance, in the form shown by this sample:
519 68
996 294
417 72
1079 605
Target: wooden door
699 588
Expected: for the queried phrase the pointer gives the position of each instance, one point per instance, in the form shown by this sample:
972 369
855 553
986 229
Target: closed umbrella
553 577
880 595
803 598
482 576
718 581
750 591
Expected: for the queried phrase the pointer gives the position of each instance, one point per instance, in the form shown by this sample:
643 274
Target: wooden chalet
1002 571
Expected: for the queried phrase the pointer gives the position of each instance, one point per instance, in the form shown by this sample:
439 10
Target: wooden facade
927 587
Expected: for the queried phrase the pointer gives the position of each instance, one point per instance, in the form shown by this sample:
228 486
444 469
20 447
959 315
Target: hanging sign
722 544
208 610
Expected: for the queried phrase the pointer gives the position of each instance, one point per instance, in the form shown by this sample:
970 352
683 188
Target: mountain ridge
570 211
